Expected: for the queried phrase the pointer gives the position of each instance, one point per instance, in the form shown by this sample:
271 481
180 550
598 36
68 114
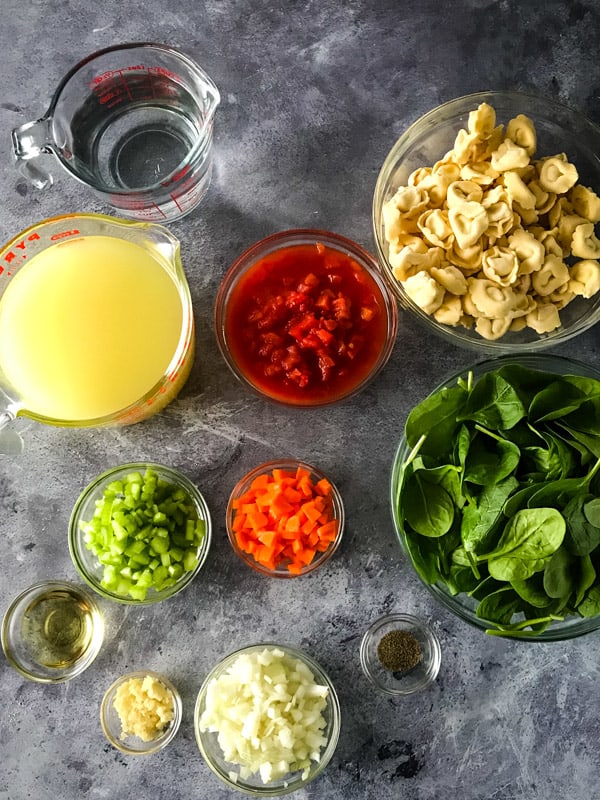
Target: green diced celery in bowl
139 533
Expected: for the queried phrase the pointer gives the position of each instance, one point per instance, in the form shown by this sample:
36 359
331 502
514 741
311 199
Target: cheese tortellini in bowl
486 218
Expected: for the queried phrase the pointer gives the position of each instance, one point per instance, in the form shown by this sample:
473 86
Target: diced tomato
301 325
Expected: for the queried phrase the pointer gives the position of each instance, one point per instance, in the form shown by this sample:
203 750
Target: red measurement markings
112 86
19 250
64 235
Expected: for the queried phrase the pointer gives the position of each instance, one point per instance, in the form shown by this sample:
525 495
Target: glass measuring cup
133 122
96 322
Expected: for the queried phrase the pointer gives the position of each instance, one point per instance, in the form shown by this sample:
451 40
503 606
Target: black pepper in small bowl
400 654
399 651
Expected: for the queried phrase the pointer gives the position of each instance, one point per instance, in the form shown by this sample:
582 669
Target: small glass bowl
281 571
559 130
401 683
462 605
87 564
52 631
227 772
111 722
235 286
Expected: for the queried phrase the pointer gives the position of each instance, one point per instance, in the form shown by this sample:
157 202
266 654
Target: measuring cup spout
30 141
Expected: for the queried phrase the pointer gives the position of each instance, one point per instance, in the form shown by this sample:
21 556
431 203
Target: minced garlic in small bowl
140 712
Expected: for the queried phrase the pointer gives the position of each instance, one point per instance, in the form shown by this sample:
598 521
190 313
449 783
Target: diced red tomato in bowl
305 318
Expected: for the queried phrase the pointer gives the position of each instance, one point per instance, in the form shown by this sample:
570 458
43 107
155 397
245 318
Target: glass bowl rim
447 332
296 237
333 710
81 664
554 633
246 480
159 742
75 537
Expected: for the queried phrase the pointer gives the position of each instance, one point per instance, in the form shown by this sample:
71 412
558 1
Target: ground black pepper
399 651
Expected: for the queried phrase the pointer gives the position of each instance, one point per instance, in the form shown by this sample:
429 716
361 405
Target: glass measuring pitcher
96 322
133 122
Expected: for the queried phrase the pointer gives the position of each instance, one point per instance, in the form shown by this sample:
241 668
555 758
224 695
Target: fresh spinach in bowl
499 497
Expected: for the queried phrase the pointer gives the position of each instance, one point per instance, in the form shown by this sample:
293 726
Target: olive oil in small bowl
52 631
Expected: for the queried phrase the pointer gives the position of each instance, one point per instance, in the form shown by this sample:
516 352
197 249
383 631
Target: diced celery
144 532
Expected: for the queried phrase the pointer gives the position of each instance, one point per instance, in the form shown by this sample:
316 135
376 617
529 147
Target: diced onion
267 711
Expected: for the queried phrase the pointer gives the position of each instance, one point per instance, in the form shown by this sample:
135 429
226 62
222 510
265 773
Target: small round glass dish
139 533
52 631
147 715
244 678
305 318
400 654
302 532
511 599
425 144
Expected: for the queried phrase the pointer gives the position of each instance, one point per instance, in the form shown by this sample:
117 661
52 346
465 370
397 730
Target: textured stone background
314 95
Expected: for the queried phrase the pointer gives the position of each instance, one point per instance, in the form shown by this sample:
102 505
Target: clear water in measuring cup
138 142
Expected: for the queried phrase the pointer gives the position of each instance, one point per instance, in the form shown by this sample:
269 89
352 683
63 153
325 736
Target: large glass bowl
559 130
463 605
87 563
208 741
263 318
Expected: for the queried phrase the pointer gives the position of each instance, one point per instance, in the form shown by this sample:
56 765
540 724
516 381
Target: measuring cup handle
29 141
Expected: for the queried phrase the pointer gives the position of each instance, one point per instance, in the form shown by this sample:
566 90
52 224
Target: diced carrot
313 538
260 482
256 519
323 487
239 522
311 511
306 556
293 495
285 518
328 531
269 538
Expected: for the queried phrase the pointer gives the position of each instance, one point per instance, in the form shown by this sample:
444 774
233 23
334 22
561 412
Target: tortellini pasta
488 237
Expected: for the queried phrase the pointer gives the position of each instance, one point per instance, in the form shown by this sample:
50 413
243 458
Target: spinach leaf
590 443
427 507
520 498
527 542
586 419
460 557
552 462
424 557
555 401
582 536
592 511
558 493
585 579
493 403
525 381
590 605
480 517
499 606
559 579
532 591
487 586
490 459
448 477
461 447
588 386
461 579
436 419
